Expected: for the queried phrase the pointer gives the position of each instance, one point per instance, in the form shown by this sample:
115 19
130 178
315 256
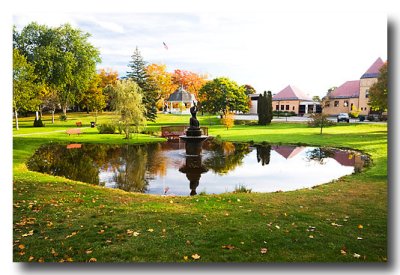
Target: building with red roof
290 99
354 93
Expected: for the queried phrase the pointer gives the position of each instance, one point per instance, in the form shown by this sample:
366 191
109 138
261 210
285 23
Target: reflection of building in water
287 151
349 159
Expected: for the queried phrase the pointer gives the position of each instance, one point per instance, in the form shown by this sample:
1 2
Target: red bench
73 131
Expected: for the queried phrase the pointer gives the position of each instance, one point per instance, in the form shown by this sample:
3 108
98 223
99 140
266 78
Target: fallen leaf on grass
101 231
21 246
196 256
72 234
185 258
31 258
30 233
92 260
264 250
355 255
360 226
343 252
229 247
150 229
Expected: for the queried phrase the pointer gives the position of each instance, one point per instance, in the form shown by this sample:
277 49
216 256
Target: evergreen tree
139 74
269 107
262 109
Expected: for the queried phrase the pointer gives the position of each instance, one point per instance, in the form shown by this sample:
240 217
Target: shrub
242 189
106 128
38 123
63 117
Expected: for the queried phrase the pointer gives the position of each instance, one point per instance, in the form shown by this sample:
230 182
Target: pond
165 169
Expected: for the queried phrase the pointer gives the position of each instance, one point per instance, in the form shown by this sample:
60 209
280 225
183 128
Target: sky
267 50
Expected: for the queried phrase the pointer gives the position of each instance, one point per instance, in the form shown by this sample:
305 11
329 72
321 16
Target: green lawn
57 220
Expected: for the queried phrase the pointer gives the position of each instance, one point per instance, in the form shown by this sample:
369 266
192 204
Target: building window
277 107
327 104
336 103
351 106
346 103
366 93
287 107
292 108
282 107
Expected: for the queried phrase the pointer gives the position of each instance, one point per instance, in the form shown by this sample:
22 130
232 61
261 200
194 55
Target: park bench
173 132
73 131
79 124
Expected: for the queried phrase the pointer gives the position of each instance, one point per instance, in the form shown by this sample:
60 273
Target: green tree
93 98
148 88
222 94
62 57
25 91
264 108
128 106
378 93
269 107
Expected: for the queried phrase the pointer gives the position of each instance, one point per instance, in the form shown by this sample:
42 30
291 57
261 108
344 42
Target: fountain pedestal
193 144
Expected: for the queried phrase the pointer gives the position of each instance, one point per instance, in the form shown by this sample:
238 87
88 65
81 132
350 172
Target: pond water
164 168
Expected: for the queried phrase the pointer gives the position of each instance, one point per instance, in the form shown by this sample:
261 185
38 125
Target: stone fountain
193 167
193 138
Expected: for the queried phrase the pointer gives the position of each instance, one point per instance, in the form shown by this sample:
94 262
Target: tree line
54 68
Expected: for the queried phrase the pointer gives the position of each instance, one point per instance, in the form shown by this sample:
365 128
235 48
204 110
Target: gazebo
180 101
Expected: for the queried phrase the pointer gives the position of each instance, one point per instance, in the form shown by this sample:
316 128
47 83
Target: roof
291 93
347 90
180 95
373 71
287 151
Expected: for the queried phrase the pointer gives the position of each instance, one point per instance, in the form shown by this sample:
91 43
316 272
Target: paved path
301 119
40 133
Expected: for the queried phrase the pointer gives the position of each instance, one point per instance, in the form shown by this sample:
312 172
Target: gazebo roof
181 95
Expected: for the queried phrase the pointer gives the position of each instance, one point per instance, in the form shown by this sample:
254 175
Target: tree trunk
16 120
52 116
64 108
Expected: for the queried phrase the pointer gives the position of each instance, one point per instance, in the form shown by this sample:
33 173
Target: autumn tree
248 89
163 81
148 88
25 90
108 78
228 120
190 81
128 106
93 99
378 93
222 94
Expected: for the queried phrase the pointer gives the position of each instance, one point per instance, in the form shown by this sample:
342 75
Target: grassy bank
58 220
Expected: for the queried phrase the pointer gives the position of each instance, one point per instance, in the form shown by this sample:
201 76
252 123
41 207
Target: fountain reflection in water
194 139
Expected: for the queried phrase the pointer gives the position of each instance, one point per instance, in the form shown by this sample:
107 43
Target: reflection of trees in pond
157 163
75 164
131 174
225 156
320 154
263 154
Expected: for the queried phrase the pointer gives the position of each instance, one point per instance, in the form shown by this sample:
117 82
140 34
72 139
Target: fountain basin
193 144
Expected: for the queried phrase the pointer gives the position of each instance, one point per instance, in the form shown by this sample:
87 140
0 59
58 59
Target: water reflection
164 168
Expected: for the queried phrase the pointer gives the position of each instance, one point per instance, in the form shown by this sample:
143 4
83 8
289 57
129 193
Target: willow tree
129 107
